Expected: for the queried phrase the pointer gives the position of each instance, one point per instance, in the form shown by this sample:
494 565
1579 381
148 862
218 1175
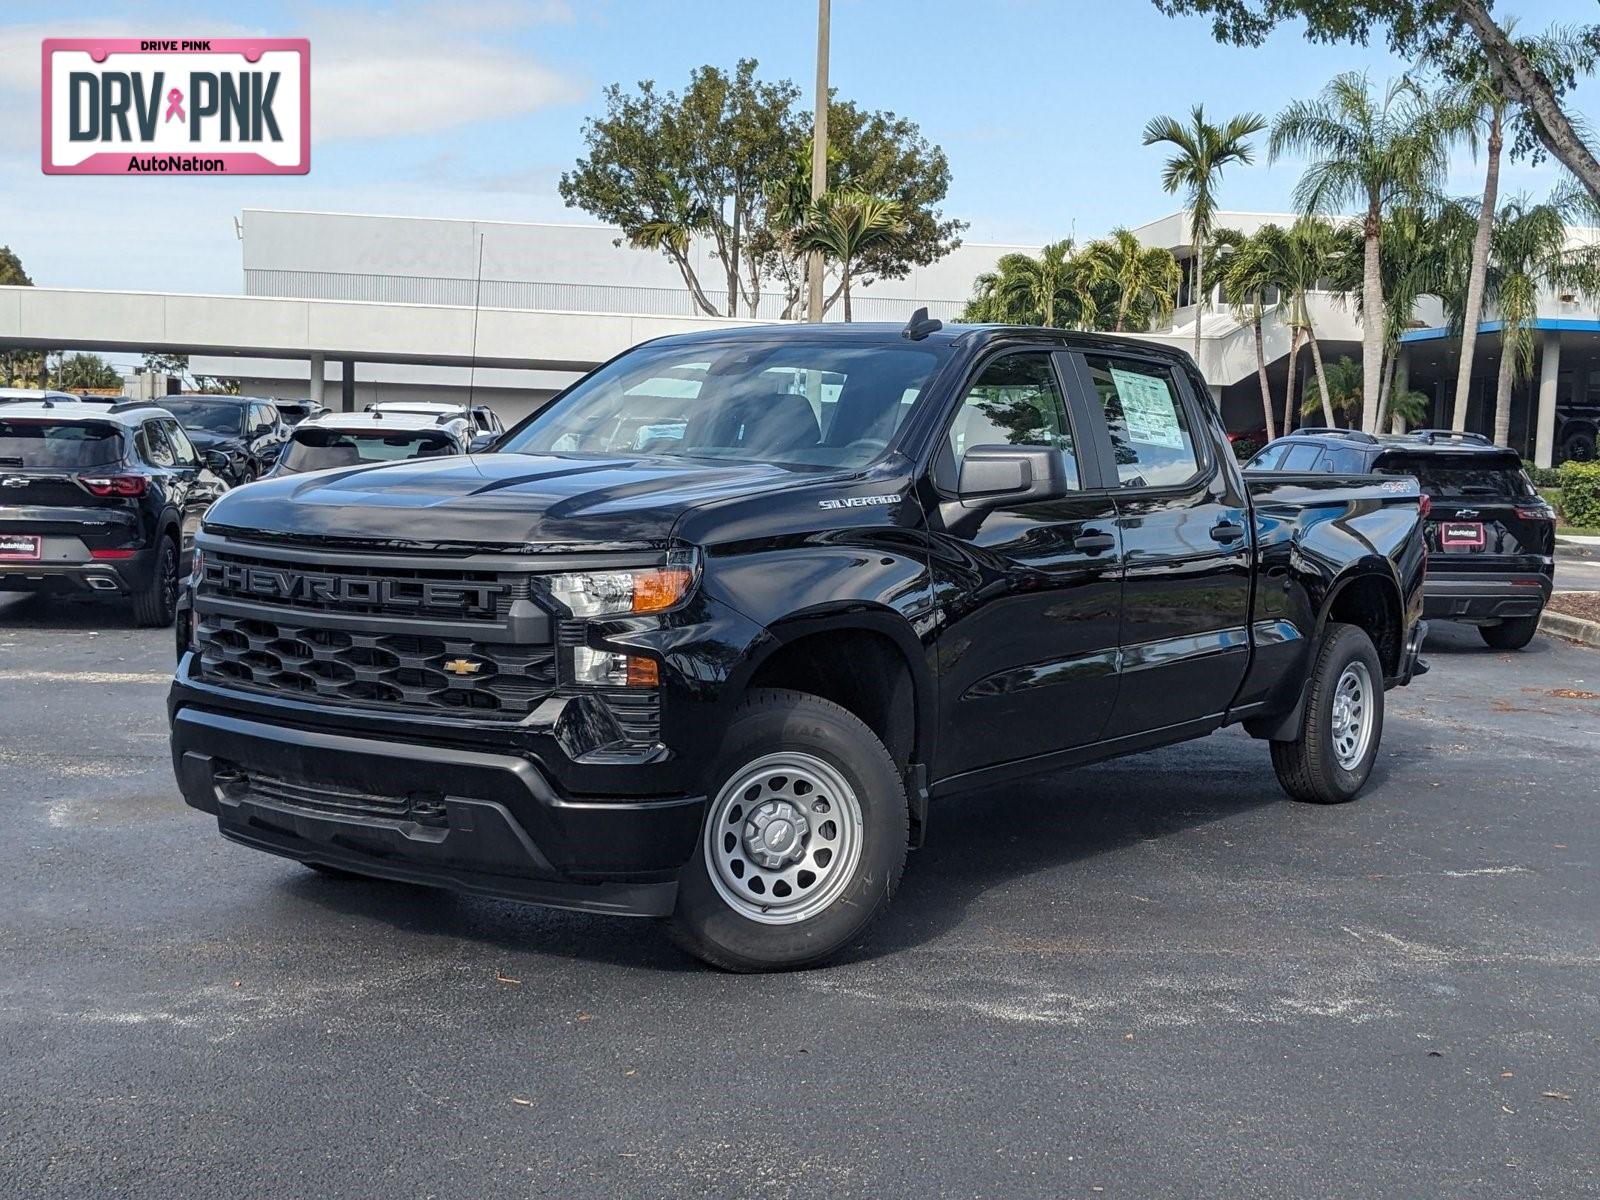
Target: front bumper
470 820
1483 597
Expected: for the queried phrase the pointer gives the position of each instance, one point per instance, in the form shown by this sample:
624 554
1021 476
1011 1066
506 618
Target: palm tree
1374 151
1051 290
1340 391
1145 280
1202 151
844 225
1248 274
1527 254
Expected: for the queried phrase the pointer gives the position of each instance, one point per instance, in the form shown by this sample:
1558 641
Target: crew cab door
1183 521
1030 591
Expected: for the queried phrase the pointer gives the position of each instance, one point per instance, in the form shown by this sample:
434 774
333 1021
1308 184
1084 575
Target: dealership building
352 308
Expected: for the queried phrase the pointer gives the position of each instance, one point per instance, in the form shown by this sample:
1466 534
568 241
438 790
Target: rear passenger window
1267 460
1149 429
1014 402
1301 458
155 447
1343 462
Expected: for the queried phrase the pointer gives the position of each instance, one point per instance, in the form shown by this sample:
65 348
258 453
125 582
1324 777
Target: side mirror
481 442
216 460
1000 476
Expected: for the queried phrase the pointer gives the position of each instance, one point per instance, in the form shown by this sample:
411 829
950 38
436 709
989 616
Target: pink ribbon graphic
174 106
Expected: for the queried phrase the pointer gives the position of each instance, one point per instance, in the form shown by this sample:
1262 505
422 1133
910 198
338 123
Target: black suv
104 500
240 435
1491 537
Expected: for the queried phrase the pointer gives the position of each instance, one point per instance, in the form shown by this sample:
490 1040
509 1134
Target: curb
1573 629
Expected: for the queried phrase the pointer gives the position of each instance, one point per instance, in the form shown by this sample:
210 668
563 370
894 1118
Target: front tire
155 605
1513 633
804 838
1342 722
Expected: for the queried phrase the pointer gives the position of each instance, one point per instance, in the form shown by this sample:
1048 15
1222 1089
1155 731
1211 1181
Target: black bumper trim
1484 596
507 833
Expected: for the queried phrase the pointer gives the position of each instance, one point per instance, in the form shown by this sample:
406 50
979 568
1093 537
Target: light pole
819 156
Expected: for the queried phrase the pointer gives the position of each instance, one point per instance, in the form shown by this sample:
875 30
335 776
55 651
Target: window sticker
1149 408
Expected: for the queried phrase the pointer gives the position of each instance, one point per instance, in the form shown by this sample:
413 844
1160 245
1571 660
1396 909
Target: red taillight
112 553
113 485
1536 512
1424 503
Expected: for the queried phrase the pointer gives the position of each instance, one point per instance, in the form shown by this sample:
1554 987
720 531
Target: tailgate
1486 515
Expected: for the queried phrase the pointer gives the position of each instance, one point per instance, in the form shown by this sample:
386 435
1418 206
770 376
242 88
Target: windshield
1458 477
212 417
314 449
40 444
788 403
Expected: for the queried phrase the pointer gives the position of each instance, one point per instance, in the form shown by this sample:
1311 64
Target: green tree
1049 290
666 168
1145 279
1371 151
1528 253
1430 30
728 162
1248 279
11 272
82 372
1201 151
15 364
1339 391
846 227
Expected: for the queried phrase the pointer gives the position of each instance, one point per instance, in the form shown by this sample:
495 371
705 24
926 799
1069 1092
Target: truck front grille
443 593
405 671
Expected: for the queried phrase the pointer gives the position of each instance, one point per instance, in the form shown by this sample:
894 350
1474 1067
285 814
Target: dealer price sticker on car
209 106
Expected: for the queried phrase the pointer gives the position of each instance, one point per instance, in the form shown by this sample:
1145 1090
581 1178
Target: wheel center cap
775 834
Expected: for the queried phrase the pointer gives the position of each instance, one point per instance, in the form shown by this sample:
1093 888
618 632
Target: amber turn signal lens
643 672
657 591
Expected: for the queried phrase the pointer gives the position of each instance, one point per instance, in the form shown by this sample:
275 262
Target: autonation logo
214 106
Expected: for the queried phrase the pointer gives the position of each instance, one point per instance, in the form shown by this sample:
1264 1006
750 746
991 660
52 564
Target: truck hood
531 503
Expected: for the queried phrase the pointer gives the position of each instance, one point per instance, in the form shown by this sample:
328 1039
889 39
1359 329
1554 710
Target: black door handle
1092 540
1226 531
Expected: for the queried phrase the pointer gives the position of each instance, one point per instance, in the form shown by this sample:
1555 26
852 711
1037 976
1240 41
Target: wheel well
1370 603
861 671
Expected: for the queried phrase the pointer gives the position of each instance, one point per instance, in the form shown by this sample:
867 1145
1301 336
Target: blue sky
474 109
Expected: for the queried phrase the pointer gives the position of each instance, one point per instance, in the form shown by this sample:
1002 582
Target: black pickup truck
703 639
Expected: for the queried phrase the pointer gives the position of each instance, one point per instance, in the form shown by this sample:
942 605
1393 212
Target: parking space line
85 676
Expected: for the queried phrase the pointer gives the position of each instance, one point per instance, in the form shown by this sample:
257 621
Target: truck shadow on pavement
977 842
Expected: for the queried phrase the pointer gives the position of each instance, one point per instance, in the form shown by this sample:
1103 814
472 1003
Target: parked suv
366 439
245 432
483 419
103 500
1491 537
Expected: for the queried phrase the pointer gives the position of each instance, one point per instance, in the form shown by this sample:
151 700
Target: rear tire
1342 722
1511 634
804 838
155 605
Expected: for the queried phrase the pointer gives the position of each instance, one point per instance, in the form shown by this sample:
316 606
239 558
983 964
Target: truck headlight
621 593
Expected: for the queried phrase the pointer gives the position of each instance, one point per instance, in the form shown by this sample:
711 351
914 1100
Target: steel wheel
1352 716
783 838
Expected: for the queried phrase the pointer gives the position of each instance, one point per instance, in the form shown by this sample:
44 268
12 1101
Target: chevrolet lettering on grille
286 584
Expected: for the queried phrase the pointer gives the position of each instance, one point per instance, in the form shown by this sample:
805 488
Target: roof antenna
477 301
920 326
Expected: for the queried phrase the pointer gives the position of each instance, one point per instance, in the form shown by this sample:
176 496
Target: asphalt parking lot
1153 977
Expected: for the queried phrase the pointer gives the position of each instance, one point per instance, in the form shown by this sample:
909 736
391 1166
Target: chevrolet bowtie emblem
463 666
